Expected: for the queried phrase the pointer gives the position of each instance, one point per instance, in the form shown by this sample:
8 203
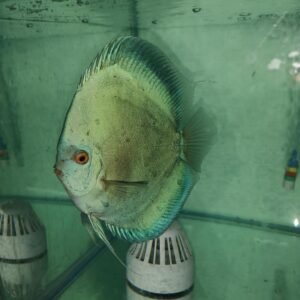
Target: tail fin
198 135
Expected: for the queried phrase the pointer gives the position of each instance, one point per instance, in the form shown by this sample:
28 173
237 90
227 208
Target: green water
237 55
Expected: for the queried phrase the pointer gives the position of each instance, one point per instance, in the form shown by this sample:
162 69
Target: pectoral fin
122 187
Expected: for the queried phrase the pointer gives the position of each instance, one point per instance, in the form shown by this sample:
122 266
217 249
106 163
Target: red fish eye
81 157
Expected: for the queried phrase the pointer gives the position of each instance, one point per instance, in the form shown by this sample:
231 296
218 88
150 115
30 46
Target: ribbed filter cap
15 207
23 250
164 265
22 235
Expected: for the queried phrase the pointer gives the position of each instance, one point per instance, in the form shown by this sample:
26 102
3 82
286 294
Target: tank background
231 263
227 50
38 76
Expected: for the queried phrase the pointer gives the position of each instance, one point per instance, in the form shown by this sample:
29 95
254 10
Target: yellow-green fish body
124 153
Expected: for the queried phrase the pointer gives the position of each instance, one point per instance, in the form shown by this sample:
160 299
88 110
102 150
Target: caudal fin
198 136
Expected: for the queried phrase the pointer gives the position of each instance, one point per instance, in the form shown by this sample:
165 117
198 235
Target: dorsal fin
149 66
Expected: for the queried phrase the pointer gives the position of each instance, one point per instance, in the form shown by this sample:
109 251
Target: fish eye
81 157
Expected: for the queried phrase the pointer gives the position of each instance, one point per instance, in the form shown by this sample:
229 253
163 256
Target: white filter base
162 268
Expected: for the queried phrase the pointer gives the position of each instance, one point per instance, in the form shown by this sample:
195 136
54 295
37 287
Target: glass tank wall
243 58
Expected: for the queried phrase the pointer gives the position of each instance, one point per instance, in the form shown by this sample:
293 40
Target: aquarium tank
237 236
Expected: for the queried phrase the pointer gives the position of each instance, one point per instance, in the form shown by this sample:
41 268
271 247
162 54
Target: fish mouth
58 172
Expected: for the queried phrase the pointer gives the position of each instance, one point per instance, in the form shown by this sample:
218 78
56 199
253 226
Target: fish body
124 155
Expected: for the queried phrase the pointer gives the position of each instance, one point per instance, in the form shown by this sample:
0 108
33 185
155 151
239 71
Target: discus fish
126 155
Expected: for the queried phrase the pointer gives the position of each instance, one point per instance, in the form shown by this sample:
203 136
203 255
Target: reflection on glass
23 251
